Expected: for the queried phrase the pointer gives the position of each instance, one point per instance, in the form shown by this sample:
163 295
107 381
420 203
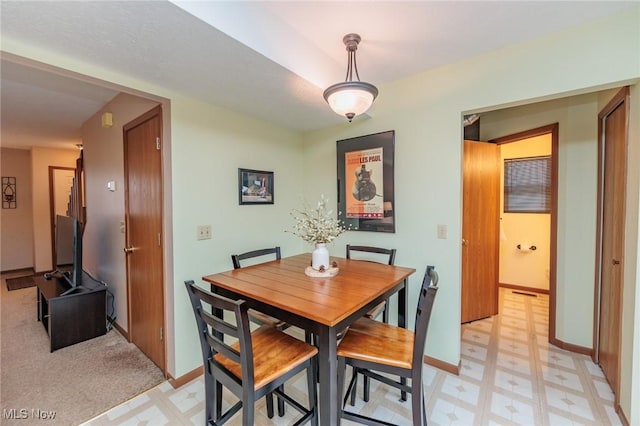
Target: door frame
552 129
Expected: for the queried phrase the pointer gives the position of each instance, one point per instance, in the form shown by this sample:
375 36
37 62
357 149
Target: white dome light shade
350 98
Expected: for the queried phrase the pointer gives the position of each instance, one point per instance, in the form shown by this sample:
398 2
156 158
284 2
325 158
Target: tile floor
510 375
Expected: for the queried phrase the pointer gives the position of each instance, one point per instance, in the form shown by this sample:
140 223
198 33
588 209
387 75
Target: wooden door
145 288
613 152
480 230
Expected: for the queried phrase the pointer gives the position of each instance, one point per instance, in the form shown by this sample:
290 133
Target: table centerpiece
319 226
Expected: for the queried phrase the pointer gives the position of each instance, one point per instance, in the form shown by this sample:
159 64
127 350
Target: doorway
60 183
470 206
144 239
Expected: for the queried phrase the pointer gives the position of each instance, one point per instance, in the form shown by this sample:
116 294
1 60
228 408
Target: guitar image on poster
363 189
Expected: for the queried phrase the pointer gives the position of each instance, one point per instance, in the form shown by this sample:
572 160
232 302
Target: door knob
129 249
464 242
616 262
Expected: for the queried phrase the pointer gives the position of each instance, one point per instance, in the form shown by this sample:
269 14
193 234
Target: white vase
320 257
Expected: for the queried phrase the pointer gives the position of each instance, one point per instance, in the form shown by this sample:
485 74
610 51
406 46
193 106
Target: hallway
509 376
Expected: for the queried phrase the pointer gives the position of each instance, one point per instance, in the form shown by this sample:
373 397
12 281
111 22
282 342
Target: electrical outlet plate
204 232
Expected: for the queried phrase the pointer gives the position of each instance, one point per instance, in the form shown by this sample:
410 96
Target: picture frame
365 166
255 187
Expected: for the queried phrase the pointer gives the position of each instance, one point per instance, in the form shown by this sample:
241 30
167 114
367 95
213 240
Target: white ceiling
268 59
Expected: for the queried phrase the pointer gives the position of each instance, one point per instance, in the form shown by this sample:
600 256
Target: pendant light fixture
351 98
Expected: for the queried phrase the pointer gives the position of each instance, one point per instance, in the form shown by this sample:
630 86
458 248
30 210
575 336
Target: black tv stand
71 314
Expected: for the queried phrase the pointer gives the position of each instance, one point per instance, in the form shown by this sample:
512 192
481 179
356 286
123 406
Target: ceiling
267 59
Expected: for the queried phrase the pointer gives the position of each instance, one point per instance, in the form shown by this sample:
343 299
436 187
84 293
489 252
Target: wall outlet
204 232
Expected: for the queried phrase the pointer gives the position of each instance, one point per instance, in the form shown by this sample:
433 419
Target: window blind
527 185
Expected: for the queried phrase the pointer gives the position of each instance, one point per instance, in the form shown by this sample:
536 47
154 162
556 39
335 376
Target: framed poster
365 182
255 186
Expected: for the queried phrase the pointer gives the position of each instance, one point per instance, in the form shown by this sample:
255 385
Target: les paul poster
364 183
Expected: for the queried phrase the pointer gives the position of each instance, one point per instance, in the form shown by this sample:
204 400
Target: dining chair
388 256
374 347
256 365
256 316
379 255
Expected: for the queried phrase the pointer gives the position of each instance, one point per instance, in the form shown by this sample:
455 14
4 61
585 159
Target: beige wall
16 224
103 239
524 267
208 146
41 159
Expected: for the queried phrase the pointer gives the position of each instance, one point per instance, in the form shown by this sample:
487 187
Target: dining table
322 305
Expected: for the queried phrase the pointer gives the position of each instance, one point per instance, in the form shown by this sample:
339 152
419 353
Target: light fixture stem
355 65
349 77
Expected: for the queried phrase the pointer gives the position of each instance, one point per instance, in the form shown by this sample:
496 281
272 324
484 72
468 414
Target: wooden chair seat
274 354
375 341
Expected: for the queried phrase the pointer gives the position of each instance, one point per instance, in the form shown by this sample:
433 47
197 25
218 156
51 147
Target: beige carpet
72 384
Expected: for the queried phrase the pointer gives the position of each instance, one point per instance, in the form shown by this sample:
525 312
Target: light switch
111 185
442 232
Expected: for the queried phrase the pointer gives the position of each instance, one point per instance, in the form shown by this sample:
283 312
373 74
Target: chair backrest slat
219 346
391 253
219 324
236 258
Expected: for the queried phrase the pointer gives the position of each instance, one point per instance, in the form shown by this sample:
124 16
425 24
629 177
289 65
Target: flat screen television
68 247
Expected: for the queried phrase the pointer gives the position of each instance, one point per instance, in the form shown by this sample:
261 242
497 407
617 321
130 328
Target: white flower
316 225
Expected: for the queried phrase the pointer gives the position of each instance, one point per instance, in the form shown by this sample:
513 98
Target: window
527 185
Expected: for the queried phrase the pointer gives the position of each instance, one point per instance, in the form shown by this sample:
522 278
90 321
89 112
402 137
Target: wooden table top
283 284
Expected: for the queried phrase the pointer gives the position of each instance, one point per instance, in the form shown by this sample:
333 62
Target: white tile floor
510 375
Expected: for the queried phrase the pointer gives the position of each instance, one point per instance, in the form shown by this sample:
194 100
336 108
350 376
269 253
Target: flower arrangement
317 225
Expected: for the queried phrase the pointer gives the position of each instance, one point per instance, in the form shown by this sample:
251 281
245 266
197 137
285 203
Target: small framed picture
255 186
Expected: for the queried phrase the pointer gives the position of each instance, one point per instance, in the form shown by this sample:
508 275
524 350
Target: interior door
613 142
480 230
145 288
